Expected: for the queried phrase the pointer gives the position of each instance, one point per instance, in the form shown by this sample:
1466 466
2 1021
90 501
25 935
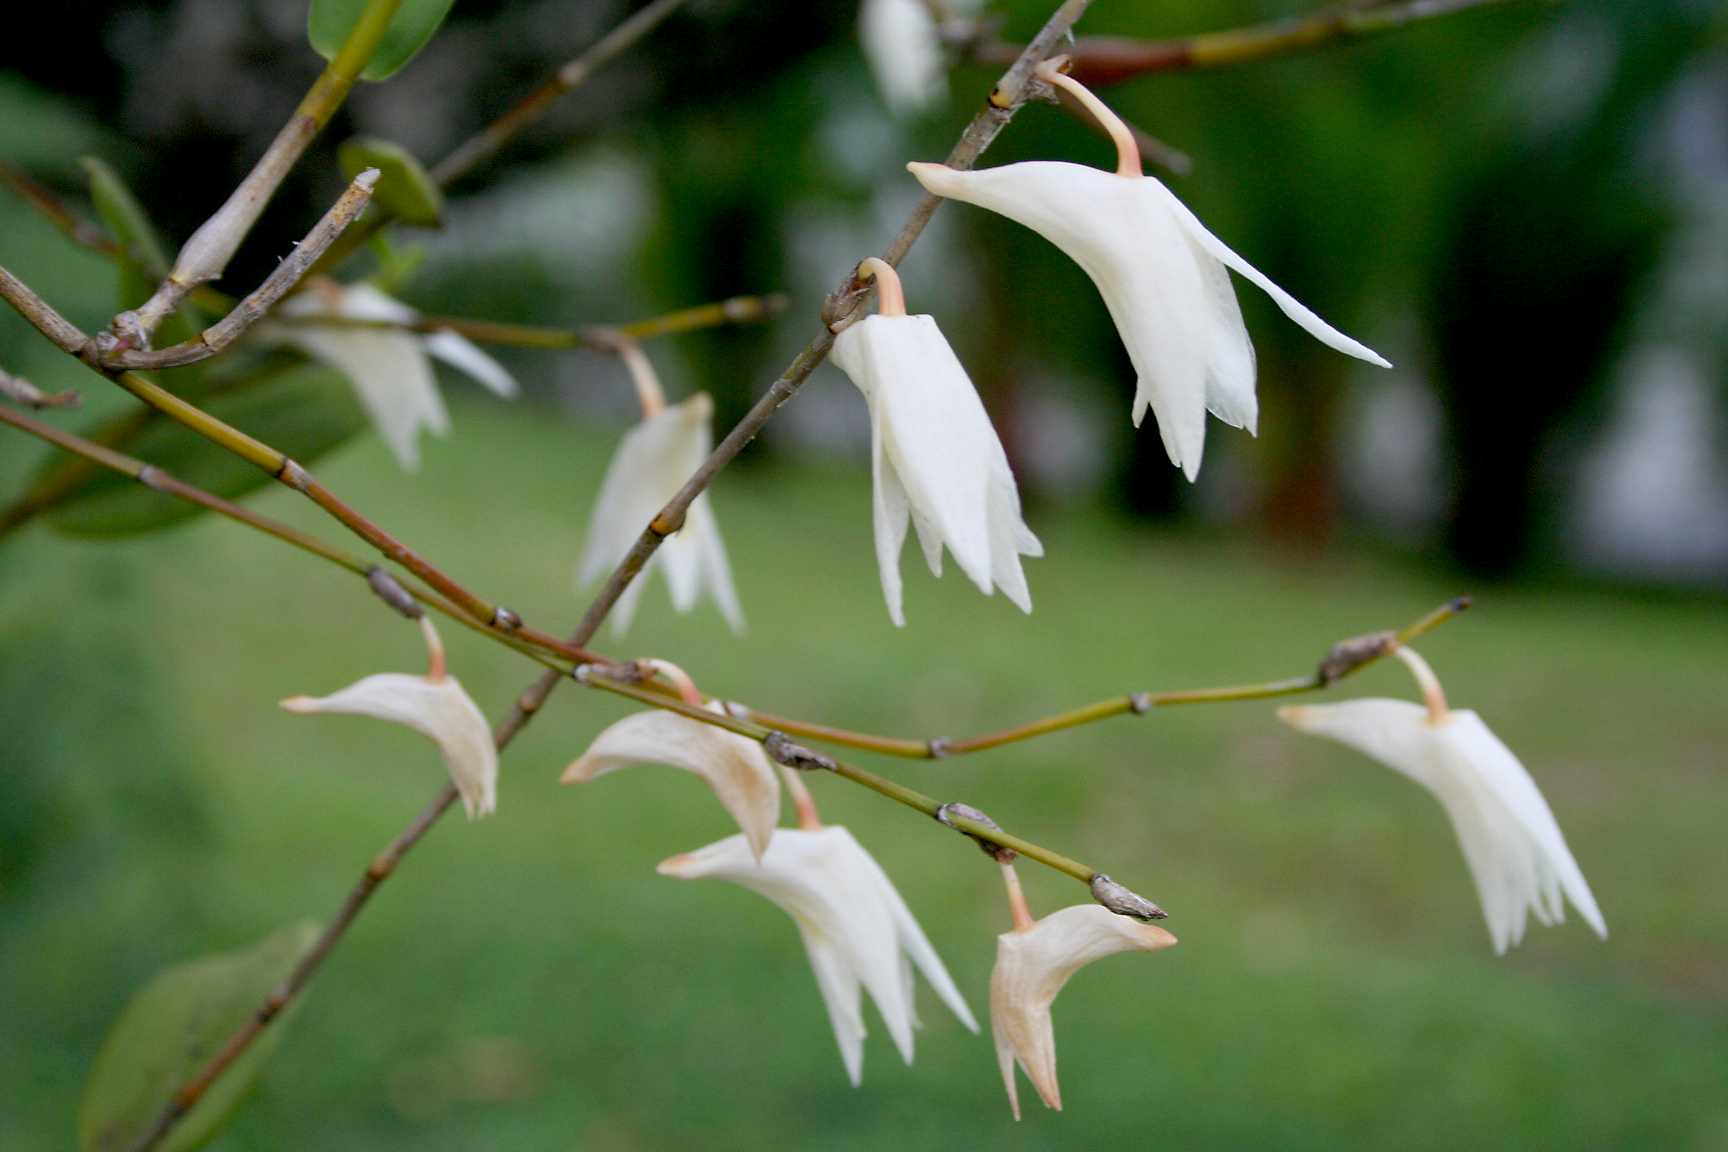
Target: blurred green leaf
305 413
331 21
143 261
404 190
170 1028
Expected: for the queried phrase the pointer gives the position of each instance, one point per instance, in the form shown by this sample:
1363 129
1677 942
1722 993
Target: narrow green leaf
305 413
330 22
169 1029
143 261
404 190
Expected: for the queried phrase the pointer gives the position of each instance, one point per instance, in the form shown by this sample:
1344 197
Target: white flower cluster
940 469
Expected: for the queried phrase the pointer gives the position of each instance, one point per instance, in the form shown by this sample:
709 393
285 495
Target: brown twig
1103 60
978 134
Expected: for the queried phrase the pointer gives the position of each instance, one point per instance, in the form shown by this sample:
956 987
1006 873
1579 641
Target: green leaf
404 190
170 1029
143 261
304 412
331 21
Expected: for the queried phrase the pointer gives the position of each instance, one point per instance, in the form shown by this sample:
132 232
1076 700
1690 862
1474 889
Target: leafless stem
206 253
113 352
482 145
1108 59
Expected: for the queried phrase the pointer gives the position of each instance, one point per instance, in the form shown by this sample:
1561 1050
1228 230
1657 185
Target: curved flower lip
857 930
1032 965
734 766
936 459
653 461
1163 279
387 366
1510 839
438 709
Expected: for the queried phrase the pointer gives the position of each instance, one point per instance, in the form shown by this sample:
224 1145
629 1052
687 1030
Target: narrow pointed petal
1287 303
458 351
856 929
1510 839
734 766
936 458
439 709
1031 968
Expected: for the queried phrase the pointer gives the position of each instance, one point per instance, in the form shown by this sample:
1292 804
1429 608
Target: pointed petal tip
300 704
675 865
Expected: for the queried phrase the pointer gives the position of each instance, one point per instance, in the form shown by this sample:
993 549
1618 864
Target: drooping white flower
1162 275
1032 965
435 706
903 46
936 460
653 461
734 766
387 366
856 929
1510 839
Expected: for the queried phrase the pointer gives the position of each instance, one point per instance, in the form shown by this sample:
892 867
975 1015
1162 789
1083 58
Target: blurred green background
1518 204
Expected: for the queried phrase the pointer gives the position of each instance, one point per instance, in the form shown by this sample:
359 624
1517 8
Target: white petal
855 927
653 462
458 351
439 709
1031 968
904 49
936 458
1287 303
1509 837
1161 275
734 766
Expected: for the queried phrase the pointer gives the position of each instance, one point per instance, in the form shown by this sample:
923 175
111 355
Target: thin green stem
594 677
936 748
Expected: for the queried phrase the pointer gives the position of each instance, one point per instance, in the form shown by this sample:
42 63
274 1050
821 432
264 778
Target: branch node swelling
991 849
1122 901
784 750
1348 655
390 590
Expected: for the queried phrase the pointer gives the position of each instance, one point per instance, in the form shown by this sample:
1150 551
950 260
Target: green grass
528 982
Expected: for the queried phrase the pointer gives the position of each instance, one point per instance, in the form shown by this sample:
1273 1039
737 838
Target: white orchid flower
903 46
734 766
653 461
388 366
1161 273
856 929
1510 839
936 460
1032 965
435 706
